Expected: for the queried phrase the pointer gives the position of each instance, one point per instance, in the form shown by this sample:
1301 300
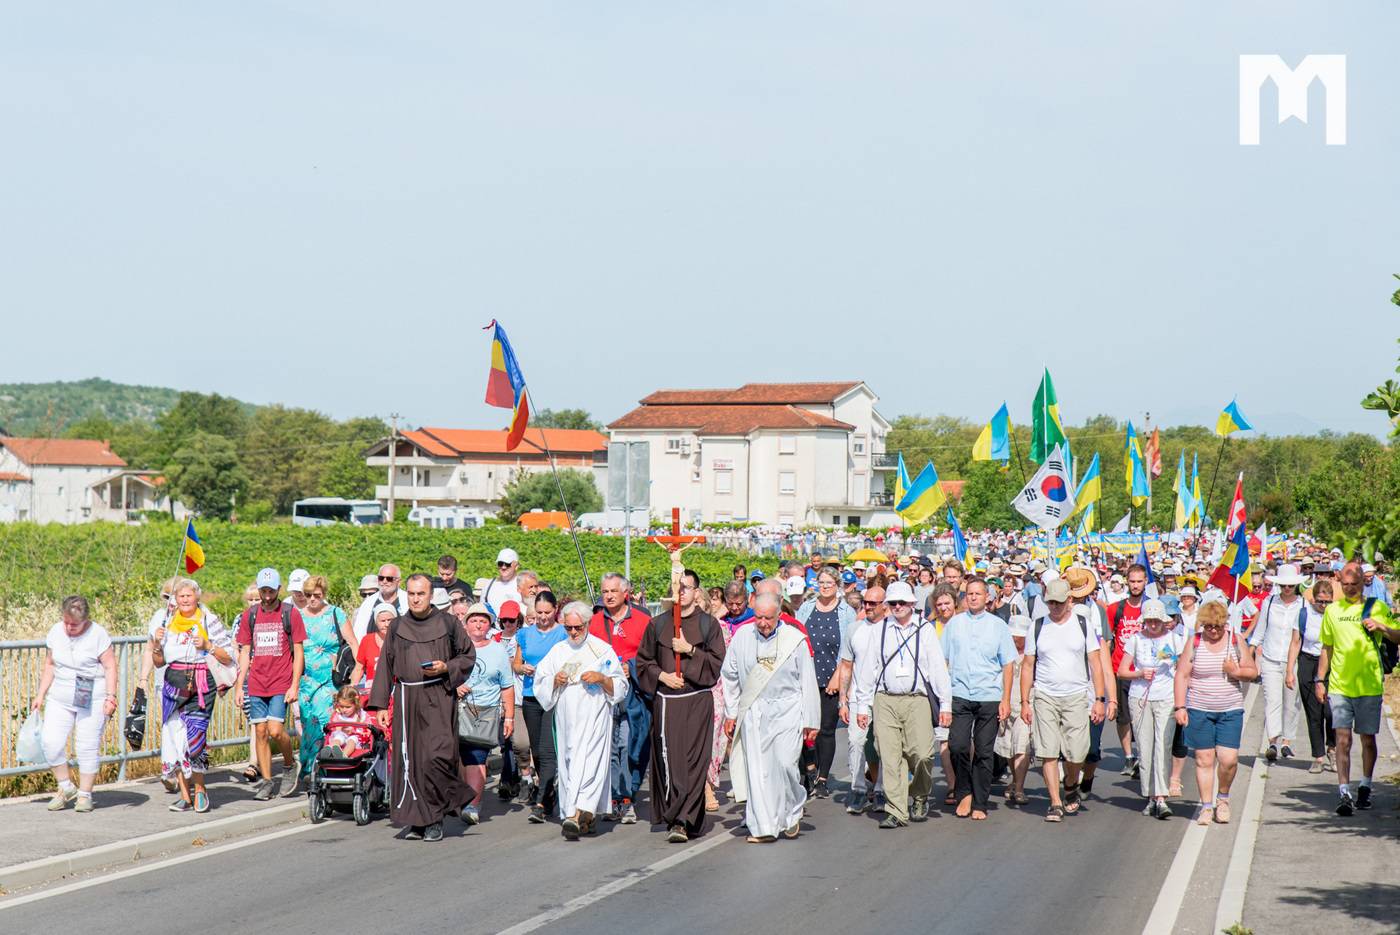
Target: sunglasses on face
503 564
872 603
1212 626
573 628
898 603
388 577
459 600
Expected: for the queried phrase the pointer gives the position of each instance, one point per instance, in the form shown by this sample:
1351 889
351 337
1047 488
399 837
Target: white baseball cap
297 579
1368 568
269 578
508 556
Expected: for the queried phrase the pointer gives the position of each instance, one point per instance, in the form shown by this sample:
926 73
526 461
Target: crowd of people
977 670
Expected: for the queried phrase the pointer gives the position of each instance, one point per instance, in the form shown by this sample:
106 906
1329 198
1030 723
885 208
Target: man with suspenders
901 673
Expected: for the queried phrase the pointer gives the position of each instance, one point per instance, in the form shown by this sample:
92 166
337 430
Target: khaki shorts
1060 726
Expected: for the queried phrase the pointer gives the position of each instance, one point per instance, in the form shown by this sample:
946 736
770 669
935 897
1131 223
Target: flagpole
1011 430
1200 524
558 486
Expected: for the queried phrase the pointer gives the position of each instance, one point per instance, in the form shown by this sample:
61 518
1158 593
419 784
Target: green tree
198 412
564 419
346 474
537 491
134 441
286 452
206 474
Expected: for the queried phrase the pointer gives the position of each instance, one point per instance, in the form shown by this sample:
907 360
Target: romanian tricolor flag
194 552
1232 574
1231 420
505 386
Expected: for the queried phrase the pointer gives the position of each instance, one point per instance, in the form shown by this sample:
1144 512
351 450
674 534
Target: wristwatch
1103 698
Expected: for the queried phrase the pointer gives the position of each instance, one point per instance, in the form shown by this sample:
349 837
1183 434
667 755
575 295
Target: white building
50 480
469 467
772 453
122 497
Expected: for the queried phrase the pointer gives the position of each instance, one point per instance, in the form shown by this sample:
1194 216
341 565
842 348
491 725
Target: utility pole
393 461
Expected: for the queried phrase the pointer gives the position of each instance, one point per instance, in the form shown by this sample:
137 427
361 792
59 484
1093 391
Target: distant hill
46 409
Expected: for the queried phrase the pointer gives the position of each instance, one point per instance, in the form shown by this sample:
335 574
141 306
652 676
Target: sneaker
1222 810
84 803
1164 811
1203 814
1345 805
1137 770
1151 810
877 803
918 808
1085 785
61 800
414 833
677 835
433 832
1363 797
201 802
857 802
1130 764
629 812
820 790
570 827
291 781
181 805
471 815
1316 767
892 822
1286 751
1331 764
1271 754
507 791
264 791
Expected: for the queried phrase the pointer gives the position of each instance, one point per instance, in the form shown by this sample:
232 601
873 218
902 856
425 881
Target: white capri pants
60 720
1281 705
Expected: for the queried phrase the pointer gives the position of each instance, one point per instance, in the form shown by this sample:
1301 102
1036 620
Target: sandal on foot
1222 811
1174 790
1071 805
1056 813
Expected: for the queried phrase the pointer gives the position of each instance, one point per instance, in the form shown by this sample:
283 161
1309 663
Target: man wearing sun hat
1271 637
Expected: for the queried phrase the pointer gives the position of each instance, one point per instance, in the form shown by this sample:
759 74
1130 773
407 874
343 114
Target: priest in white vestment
771 707
581 680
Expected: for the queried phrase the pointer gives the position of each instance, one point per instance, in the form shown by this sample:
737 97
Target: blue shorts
1206 730
471 755
266 708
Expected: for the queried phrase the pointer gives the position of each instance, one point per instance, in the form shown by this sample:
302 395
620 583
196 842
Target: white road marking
1162 921
1230 908
147 868
718 837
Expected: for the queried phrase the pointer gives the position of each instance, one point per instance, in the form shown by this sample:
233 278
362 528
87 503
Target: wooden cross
675 544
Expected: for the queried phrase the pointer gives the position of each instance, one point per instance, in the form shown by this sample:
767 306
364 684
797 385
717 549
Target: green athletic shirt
1354 662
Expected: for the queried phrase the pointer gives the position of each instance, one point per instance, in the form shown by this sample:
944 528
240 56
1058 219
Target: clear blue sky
322 203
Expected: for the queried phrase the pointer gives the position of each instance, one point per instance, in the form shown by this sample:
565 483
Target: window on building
673 445
858 445
787 444
787 482
724 481
786 519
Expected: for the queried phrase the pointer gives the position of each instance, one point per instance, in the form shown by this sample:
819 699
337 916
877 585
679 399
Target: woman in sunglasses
1210 705
1303 656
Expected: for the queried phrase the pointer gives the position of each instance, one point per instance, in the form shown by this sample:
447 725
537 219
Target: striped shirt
1209 689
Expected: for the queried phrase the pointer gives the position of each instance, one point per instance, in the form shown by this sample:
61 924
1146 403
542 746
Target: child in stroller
351 769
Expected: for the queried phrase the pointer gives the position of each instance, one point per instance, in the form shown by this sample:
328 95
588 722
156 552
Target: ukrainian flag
505 385
1197 507
923 497
1184 506
1090 488
959 540
1135 469
1231 421
994 444
194 552
901 481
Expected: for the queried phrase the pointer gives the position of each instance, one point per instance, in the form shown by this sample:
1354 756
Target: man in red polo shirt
1124 620
622 624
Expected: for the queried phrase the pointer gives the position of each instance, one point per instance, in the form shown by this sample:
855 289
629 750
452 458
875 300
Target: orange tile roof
14 476
726 419
755 394
463 443
81 452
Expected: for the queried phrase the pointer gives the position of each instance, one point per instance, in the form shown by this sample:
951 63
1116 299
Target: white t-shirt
73 658
1274 631
497 592
364 615
1161 654
1061 667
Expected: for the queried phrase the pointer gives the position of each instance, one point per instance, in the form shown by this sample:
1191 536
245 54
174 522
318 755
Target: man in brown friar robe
424 658
682 709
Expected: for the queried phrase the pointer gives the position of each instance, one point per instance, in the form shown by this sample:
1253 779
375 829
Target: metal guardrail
22 664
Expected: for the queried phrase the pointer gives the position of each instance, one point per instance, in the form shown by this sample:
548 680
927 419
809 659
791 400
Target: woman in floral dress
326 627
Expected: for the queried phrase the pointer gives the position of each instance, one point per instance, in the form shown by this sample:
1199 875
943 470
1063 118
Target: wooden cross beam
675 544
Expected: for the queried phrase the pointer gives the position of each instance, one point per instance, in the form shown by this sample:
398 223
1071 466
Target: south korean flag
1046 500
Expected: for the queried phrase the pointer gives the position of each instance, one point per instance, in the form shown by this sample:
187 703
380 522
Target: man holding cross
678 663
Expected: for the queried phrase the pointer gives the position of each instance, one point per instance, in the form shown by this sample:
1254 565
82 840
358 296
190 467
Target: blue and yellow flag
1090 488
194 552
901 481
1231 421
1184 505
1197 507
924 496
994 444
1135 469
959 540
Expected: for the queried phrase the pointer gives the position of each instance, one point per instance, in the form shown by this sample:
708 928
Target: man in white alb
900 674
581 680
771 707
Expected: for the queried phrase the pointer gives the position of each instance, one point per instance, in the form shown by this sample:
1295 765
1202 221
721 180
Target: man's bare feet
979 815
965 807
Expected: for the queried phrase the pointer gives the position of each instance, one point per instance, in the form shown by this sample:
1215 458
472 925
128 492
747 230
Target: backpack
1388 652
1083 628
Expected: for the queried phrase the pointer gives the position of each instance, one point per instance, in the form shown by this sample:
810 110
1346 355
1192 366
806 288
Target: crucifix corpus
675 544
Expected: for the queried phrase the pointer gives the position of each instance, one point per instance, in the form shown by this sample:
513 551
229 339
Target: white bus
325 511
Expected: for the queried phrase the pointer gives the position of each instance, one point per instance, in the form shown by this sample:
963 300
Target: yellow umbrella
867 555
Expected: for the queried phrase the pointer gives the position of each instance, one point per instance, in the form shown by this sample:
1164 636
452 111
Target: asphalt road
1103 866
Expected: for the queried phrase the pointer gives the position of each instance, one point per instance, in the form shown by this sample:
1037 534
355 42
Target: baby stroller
356 783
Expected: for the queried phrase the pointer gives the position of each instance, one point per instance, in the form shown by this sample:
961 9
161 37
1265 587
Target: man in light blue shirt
1373 585
980 654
